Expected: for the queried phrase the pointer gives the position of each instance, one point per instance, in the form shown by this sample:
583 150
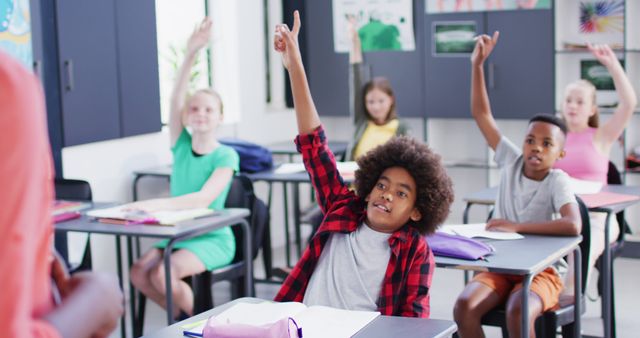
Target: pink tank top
582 159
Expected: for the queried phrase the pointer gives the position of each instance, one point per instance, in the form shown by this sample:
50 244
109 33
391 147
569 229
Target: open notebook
119 216
315 321
478 230
346 169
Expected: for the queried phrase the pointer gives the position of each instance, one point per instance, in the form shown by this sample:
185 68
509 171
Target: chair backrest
72 189
585 245
241 195
614 177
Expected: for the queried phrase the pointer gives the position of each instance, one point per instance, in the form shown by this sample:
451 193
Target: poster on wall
383 25
594 21
457 6
453 38
15 30
594 72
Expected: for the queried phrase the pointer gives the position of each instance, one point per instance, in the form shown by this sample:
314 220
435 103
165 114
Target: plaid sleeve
321 166
418 283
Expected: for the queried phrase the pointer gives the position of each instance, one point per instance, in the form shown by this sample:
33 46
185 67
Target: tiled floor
447 284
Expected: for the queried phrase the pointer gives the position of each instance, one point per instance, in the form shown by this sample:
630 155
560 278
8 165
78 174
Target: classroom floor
447 284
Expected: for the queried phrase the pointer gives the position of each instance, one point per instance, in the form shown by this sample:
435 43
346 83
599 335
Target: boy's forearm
479 97
481 108
306 113
564 226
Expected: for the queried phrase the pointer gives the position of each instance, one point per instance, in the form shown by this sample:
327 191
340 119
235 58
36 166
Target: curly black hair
434 187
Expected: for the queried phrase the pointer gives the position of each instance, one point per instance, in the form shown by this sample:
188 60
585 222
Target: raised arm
613 128
355 50
198 40
480 106
359 74
286 42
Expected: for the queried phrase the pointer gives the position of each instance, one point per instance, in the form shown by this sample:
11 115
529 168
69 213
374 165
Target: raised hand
200 37
286 42
604 54
484 47
352 31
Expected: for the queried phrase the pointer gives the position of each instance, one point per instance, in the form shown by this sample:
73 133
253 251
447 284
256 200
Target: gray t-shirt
521 199
350 270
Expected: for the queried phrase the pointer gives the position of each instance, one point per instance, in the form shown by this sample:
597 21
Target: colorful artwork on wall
383 25
15 30
458 6
601 16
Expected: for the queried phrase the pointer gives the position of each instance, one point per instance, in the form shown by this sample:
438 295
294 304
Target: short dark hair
434 189
552 119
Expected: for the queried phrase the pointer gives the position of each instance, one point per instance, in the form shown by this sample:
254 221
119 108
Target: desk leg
577 287
286 224
526 288
167 280
296 218
123 321
465 220
132 292
606 280
248 258
266 241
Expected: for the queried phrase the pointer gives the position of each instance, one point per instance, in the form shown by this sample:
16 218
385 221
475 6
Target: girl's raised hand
200 36
286 42
604 54
352 31
484 47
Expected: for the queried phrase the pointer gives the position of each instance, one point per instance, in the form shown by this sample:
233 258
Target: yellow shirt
375 135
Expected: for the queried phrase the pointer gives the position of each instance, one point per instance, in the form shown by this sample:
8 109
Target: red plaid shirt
407 280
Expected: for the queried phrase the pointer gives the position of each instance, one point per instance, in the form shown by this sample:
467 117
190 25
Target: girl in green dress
201 177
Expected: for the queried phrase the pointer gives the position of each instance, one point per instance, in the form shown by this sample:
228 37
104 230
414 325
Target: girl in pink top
589 142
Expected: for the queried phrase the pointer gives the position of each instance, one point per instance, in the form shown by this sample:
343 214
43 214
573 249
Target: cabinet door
448 76
520 70
138 67
88 70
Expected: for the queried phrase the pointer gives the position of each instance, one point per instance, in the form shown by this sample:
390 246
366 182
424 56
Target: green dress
190 172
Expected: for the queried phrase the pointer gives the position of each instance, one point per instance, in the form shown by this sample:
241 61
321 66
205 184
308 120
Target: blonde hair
594 120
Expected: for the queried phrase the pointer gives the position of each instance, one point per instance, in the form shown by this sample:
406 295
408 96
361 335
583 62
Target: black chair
563 314
75 190
241 195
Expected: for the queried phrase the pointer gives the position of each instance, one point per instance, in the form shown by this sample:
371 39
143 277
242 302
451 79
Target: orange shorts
547 285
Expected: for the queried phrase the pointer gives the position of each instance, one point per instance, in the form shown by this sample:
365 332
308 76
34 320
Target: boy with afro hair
369 253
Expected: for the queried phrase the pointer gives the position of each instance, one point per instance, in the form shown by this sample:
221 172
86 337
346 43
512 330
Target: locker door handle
37 69
68 65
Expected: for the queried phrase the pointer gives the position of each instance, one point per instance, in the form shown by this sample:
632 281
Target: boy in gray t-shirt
529 196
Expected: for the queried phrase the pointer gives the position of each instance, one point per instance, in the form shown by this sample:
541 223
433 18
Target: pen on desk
191 334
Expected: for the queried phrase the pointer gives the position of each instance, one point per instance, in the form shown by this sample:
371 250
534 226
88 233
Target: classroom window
275 75
174 22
